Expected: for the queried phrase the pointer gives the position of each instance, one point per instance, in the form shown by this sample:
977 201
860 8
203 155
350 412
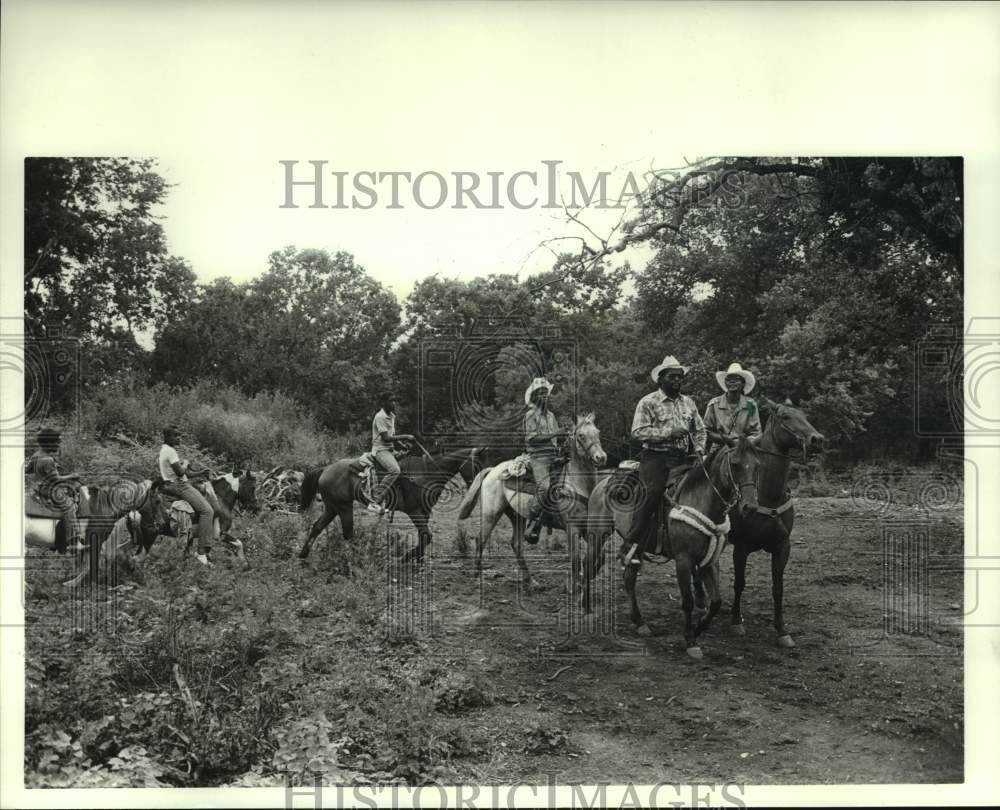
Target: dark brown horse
695 536
415 492
769 525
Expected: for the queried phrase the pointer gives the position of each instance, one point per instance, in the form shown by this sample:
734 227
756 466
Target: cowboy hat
749 381
538 382
669 362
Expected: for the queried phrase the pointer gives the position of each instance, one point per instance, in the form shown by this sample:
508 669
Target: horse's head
585 442
789 428
472 464
743 465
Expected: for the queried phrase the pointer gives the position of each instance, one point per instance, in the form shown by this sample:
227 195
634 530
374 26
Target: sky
221 92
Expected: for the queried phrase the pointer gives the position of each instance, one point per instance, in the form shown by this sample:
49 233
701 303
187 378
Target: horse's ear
788 401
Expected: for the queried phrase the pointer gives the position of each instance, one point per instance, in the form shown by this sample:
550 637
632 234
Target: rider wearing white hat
733 414
665 421
541 430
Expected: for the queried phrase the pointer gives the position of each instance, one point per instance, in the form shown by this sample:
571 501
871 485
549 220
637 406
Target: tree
315 326
95 256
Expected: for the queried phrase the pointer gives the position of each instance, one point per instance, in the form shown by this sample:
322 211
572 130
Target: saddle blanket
519 467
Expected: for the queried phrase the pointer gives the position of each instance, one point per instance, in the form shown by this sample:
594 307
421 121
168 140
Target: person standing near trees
175 474
733 414
666 422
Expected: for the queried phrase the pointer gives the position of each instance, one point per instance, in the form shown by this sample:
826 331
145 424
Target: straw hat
669 362
749 381
538 382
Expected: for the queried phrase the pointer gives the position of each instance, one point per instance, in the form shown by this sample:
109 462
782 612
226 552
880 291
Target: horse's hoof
643 630
695 652
738 629
785 641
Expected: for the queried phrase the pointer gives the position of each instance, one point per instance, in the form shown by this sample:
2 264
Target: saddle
623 491
367 468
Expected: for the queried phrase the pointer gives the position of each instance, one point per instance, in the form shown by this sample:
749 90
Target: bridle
583 449
800 440
736 487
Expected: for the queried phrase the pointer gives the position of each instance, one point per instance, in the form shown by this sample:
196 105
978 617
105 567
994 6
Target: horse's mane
422 464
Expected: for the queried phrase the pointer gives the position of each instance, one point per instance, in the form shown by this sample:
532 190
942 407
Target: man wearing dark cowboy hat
384 443
59 492
541 432
733 414
176 475
664 422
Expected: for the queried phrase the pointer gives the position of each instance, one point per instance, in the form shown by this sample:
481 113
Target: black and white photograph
499 404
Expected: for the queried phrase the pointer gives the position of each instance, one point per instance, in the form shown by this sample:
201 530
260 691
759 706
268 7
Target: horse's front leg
709 580
740 554
684 570
778 561
422 524
631 576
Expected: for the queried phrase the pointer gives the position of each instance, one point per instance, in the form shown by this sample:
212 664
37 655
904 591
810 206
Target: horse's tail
469 501
308 490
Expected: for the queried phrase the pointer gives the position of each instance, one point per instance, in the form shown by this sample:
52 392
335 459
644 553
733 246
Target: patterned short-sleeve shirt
657 414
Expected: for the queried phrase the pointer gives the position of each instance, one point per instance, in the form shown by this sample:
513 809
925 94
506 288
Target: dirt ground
871 693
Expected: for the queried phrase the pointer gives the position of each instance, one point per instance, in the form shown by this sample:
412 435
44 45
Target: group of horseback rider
666 421
62 492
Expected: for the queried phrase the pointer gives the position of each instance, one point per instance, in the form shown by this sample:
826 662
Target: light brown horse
570 492
695 532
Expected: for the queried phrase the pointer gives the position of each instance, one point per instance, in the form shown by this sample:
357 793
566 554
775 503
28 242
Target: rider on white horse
541 432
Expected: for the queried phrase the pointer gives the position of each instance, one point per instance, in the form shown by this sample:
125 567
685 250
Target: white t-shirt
168 455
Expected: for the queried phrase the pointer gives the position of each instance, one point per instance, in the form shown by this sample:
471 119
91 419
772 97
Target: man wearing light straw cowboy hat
665 421
541 432
732 414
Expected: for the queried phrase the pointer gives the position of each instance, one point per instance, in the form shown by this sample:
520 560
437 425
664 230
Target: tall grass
221 426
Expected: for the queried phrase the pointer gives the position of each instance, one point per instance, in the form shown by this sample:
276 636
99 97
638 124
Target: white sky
220 92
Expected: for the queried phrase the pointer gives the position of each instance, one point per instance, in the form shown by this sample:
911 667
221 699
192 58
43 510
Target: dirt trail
847 704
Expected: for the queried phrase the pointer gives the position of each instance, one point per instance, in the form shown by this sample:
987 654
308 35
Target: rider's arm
698 432
753 423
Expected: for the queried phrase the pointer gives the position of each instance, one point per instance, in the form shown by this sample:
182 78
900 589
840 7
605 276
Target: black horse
415 492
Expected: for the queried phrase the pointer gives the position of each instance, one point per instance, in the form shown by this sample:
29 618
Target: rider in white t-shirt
174 472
